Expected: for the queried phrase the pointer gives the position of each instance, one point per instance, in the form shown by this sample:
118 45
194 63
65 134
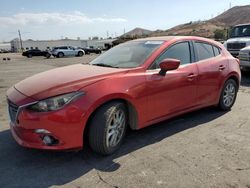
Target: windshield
240 31
127 55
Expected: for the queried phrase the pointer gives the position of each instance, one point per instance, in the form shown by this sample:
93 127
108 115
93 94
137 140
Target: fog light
47 140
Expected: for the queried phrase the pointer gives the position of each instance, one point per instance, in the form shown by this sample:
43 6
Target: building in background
50 44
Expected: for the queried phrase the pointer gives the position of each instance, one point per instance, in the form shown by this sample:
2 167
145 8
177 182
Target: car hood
64 80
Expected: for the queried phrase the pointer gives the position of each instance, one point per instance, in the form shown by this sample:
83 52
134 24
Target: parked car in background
244 57
35 52
135 84
239 38
4 51
62 51
89 50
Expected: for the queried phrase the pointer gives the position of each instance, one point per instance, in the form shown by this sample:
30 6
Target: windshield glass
127 55
240 31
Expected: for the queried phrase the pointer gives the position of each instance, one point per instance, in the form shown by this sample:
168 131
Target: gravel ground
206 148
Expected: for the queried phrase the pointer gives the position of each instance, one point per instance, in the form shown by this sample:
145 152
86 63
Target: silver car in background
62 51
244 57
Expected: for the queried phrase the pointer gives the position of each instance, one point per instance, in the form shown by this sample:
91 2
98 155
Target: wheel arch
233 76
132 115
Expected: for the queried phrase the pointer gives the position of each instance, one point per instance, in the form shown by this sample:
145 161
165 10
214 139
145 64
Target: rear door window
205 51
216 51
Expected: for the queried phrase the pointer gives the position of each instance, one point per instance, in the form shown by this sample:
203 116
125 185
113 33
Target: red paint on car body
152 97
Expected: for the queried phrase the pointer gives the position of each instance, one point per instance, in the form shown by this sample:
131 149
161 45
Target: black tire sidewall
80 54
98 131
60 54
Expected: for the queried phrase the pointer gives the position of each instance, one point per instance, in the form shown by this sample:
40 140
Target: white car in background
244 57
62 51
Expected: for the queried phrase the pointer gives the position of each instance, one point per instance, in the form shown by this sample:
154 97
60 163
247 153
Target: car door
176 91
212 67
65 50
36 52
72 51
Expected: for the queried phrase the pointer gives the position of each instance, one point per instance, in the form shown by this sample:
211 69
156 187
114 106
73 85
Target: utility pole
20 38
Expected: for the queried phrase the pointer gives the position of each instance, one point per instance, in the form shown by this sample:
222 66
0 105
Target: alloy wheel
116 128
229 94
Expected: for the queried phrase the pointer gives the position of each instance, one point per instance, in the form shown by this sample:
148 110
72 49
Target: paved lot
207 148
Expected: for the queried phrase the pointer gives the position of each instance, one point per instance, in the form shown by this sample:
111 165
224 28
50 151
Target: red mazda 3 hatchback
135 84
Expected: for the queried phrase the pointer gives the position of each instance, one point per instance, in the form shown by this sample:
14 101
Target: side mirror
169 64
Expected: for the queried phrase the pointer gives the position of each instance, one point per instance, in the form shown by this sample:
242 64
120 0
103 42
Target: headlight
55 103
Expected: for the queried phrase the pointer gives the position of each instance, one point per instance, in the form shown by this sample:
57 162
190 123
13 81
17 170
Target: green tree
220 34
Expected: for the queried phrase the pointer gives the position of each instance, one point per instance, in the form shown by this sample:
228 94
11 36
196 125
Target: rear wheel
228 95
80 54
29 55
60 55
108 128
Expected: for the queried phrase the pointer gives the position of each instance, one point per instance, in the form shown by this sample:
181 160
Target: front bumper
65 125
245 63
234 53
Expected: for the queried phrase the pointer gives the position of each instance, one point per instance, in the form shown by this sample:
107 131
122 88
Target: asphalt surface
206 148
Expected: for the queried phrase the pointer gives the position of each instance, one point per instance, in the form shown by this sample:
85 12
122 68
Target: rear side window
205 51
180 51
63 48
216 51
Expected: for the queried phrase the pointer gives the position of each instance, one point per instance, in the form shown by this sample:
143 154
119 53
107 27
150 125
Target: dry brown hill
233 16
137 32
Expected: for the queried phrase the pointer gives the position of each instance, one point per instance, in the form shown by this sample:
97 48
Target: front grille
13 109
236 46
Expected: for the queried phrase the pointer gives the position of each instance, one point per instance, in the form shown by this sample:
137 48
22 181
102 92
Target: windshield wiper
104 65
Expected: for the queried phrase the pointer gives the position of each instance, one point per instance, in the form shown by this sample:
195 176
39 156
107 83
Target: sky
57 19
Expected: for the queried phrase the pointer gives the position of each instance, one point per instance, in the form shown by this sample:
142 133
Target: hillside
137 32
233 16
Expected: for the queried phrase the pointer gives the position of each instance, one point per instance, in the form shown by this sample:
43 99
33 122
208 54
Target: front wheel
228 95
107 128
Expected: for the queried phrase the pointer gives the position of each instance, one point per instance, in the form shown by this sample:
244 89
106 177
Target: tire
29 55
60 54
80 54
48 55
105 137
228 95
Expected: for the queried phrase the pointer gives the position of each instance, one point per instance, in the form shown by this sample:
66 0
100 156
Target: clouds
38 19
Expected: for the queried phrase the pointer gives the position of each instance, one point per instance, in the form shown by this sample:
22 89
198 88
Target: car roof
179 38
245 24
168 38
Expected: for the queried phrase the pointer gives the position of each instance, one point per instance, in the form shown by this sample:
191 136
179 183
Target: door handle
191 76
221 67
